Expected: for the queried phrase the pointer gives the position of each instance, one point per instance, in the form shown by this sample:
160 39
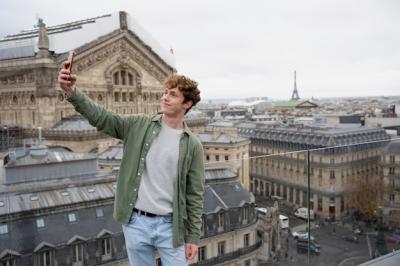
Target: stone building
391 175
225 148
119 66
56 209
229 231
278 170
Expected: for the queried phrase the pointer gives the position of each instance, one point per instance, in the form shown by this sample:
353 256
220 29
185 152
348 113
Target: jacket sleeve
105 121
195 196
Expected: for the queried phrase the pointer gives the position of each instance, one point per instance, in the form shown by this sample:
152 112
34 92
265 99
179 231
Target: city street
335 250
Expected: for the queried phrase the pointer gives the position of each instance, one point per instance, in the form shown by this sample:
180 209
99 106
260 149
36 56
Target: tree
366 195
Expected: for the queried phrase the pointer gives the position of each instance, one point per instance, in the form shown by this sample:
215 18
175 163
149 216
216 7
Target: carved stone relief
127 51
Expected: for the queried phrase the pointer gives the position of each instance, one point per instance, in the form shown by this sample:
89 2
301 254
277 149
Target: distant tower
295 94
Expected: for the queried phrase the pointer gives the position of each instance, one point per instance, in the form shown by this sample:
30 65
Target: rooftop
220 138
72 35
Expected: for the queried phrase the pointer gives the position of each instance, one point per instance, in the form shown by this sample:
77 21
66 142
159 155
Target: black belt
148 214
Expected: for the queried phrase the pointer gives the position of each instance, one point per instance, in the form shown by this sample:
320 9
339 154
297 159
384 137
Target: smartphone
70 60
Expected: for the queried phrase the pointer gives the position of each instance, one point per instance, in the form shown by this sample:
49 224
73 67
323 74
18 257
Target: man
159 195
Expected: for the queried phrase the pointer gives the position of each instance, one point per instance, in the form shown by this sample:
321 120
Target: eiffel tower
295 94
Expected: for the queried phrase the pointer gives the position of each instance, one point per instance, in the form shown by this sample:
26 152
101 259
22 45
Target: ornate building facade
280 164
391 175
117 66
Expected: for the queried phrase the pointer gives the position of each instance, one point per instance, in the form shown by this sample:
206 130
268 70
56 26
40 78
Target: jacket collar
158 117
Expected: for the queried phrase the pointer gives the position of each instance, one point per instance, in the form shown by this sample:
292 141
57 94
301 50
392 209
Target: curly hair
187 86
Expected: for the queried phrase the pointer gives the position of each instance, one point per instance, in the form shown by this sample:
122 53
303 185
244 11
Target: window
130 79
221 248
226 158
45 258
99 212
71 217
3 229
123 77
392 159
131 96
158 262
207 157
77 254
342 204
116 78
391 198
40 223
202 253
106 248
64 193
34 198
221 221
246 240
332 174
124 96
391 170
217 157
245 214
116 96
319 202
8 261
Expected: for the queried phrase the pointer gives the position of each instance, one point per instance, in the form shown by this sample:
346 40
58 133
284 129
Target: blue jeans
144 235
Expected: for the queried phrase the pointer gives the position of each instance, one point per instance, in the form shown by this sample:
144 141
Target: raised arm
105 121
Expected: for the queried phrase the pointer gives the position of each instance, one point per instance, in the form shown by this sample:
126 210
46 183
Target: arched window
116 78
32 98
123 77
15 99
130 79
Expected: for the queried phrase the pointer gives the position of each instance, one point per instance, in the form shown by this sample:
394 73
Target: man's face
172 102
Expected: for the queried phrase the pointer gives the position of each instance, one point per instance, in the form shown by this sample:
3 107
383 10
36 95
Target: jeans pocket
133 218
167 219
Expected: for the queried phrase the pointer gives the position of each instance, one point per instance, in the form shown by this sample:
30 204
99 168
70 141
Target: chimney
362 120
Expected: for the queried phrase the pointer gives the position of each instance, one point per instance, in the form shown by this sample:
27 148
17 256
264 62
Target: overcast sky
251 48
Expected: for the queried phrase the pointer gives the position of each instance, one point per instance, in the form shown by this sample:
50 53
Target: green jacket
137 133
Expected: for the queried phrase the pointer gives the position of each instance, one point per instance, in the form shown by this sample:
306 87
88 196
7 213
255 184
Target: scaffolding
10 137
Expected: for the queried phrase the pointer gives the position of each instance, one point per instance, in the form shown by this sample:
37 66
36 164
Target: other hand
190 251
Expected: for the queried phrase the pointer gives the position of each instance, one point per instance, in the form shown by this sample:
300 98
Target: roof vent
38 151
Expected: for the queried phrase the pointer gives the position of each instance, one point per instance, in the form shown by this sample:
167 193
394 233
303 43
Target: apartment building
337 155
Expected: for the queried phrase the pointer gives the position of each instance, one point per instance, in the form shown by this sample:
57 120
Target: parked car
302 247
395 238
261 210
301 235
312 242
302 213
358 231
351 238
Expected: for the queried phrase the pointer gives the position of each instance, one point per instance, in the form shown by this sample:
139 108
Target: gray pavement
335 250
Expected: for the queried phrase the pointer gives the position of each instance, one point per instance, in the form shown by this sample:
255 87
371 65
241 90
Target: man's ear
188 104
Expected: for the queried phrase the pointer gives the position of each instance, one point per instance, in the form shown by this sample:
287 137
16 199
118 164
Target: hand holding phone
65 78
70 60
